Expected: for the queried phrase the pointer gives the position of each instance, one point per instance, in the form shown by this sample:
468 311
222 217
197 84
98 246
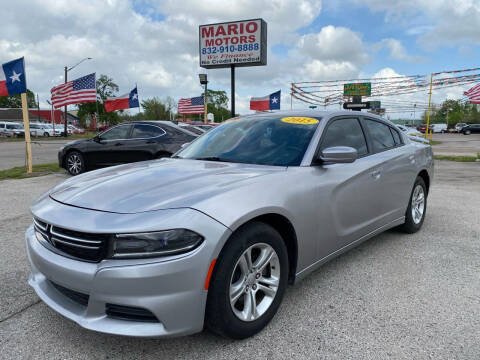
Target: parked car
438 128
413 134
471 129
422 128
75 130
459 127
213 235
43 129
11 129
124 143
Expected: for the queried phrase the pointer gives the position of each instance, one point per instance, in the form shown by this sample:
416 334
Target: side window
382 138
143 131
345 132
116 133
396 137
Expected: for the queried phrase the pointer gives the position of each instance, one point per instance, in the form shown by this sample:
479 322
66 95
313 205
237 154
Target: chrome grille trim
74 244
55 239
68 237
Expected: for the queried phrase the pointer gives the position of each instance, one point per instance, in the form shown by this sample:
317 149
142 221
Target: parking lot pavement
395 296
12 153
457 144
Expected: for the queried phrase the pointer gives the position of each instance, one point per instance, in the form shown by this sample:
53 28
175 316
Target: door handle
376 174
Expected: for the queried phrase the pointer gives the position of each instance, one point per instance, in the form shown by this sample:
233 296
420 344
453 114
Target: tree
217 102
14 101
155 109
106 87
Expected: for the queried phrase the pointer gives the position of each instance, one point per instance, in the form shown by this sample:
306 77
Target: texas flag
12 78
126 101
269 102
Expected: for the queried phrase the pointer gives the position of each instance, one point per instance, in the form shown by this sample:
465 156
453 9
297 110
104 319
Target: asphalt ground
12 153
395 296
45 151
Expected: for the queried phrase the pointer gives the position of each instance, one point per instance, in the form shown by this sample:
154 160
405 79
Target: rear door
350 189
111 147
144 142
395 166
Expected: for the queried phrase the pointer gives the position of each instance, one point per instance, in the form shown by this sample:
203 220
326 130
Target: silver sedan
213 235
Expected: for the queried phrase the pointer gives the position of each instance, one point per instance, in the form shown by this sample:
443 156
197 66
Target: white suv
11 129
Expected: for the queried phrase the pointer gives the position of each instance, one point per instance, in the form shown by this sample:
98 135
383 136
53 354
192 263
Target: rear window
380 134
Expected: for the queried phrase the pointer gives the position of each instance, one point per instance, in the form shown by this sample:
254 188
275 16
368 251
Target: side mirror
97 139
338 155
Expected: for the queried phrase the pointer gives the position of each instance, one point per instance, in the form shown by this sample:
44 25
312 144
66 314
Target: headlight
152 244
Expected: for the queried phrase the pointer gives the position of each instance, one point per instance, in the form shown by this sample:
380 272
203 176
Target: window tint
380 135
345 132
116 133
396 137
142 131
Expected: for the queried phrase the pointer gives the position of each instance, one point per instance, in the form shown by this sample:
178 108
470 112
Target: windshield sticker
300 120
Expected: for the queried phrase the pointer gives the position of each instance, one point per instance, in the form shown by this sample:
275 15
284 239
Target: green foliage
457 111
14 101
20 172
158 109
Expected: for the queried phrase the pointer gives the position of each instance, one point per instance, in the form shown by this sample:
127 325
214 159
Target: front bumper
171 288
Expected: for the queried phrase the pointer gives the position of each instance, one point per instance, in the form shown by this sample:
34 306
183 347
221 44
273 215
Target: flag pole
429 105
136 87
26 126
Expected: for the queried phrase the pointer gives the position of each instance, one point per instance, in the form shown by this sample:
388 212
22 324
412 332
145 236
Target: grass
87 135
457 158
434 142
20 172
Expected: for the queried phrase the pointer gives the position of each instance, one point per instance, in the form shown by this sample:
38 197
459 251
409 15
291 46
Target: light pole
67 69
203 81
52 116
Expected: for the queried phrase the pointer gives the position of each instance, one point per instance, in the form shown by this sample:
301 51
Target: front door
109 148
350 189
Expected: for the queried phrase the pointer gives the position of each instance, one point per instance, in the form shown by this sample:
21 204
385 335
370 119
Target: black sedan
122 144
471 129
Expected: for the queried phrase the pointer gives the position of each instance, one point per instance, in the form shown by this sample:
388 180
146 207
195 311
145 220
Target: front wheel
75 163
417 207
248 282
468 132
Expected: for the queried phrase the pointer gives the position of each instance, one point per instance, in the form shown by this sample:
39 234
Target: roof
15 115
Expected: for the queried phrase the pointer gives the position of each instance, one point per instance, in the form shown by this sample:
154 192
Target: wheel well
424 175
287 232
160 153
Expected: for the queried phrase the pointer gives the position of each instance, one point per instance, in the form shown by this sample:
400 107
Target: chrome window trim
164 133
153 137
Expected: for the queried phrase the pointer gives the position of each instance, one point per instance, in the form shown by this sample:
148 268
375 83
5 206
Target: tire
414 223
75 163
468 132
235 321
46 134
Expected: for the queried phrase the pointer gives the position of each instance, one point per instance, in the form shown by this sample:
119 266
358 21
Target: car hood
156 185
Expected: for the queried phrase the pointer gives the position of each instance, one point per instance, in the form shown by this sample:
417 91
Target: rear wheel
75 163
248 282
416 208
467 132
46 134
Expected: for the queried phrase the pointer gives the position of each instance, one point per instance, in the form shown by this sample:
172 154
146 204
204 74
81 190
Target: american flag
473 94
191 106
77 91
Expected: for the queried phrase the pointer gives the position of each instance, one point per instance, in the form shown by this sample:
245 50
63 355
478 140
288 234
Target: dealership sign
357 89
238 43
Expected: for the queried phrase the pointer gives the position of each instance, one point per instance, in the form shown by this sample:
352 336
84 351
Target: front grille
79 245
78 297
129 313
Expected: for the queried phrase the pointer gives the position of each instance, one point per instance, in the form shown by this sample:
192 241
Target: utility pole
38 108
65 114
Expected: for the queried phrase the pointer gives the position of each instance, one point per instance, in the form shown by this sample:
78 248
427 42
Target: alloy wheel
418 204
74 164
255 281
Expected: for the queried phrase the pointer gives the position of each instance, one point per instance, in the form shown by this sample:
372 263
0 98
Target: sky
154 43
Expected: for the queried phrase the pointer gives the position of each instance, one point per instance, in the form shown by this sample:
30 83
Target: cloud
397 50
333 44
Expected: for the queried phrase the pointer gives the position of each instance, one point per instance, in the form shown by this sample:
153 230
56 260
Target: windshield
265 140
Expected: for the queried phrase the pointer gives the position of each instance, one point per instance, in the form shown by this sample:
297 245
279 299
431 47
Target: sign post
233 44
26 127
